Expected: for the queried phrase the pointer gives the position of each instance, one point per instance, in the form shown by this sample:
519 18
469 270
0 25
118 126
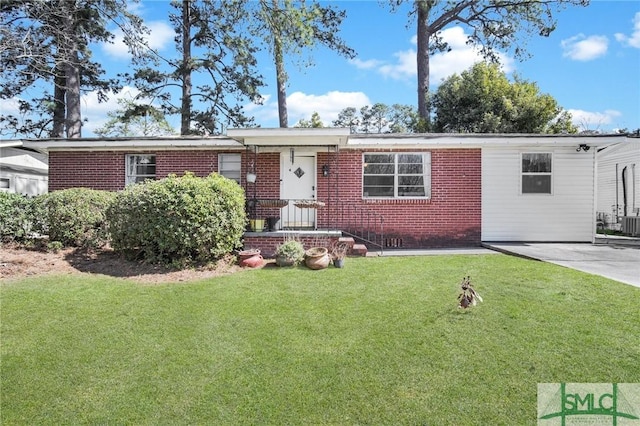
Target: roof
320 137
123 144
476 140
291 136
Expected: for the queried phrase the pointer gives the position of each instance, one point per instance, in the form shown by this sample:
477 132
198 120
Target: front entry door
298 182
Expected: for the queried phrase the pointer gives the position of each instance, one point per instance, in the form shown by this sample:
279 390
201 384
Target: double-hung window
397 175
536 173
140 168
229 166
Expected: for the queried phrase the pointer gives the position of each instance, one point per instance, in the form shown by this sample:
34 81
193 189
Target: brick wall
106 169
103 170
452 217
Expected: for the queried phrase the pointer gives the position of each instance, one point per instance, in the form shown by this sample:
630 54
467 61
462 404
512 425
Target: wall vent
393 242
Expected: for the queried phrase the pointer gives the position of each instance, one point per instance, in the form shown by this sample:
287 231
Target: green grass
380 342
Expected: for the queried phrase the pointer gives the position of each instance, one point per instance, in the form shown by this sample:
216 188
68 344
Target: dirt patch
19 262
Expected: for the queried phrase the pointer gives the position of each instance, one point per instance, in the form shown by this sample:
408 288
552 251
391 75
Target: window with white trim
396 175
140 167
230 165
536 173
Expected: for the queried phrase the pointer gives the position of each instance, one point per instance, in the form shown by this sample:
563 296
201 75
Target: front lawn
380 342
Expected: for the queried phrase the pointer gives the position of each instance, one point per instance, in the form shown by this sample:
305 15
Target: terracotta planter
317 258
250 258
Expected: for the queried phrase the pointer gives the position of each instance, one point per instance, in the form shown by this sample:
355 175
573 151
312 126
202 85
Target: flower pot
285 261
257 225
338 263
251 258
317 258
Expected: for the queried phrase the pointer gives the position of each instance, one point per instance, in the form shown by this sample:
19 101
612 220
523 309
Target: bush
178 219
76 217
16 216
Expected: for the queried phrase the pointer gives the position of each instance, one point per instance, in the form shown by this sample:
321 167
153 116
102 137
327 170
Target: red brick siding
106 169
103 170
268 244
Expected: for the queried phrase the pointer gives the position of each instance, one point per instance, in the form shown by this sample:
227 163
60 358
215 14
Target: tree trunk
59 93
281 73
422 56
185 126
73 119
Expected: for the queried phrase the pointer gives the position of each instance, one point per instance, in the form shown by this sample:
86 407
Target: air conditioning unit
631 225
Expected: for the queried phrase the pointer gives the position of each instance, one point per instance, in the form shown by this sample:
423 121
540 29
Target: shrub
290 252
76 217
16 219
178 219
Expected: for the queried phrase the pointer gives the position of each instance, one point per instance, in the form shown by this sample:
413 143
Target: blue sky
590 64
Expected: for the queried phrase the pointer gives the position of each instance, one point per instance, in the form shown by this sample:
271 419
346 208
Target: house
618 188
388 190
23 171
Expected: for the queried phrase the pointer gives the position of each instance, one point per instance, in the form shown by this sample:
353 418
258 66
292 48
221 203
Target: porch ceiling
290 136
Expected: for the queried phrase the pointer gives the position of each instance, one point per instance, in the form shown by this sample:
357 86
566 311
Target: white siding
565 215
626 154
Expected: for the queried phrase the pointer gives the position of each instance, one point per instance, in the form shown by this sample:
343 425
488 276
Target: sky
590 64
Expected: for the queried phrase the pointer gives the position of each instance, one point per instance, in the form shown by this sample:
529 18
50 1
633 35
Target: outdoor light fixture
583 147
325 170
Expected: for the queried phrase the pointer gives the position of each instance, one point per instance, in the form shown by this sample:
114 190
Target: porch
314 223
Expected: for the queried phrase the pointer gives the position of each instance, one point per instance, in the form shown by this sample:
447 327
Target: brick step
358 250
347 240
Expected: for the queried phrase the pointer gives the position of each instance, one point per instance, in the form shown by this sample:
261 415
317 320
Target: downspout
624 191
617 195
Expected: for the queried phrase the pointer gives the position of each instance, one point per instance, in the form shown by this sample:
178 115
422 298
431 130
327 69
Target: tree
48 41
211 43
379 118
290 27
135 120
483 100
494 25
315 122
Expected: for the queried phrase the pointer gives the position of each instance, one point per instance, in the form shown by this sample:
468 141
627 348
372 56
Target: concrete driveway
617 262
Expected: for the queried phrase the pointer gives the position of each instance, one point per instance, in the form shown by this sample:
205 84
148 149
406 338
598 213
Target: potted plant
338 254
289 253
317 258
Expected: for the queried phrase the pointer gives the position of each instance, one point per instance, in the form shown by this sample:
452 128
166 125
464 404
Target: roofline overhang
291 136
421 141
132 144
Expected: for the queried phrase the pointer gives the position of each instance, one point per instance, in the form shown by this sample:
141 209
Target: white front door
298 182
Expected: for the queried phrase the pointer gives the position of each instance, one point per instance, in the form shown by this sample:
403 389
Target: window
229 166
401 175
140 168
536 173
5 183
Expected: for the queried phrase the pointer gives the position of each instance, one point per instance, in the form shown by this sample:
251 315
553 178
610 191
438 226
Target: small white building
22 170
619 183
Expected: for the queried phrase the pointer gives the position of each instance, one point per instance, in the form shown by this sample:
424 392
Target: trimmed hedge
16 216
178 219
76 217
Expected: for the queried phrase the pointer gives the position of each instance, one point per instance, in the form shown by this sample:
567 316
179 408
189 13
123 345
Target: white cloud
583 48
634 39
161 34
302 106
588 120
365 65
95 112
441 65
